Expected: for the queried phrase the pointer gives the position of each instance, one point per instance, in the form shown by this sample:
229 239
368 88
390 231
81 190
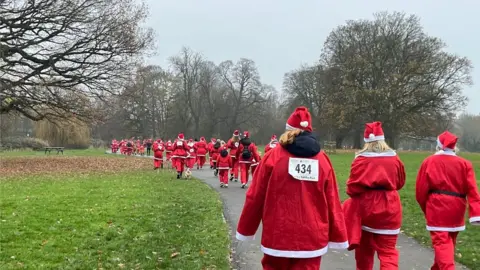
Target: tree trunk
390 137
339 141
357 136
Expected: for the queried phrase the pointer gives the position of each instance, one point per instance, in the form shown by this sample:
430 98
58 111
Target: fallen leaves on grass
175 254
64 165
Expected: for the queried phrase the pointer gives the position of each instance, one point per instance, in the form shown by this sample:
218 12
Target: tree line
60 58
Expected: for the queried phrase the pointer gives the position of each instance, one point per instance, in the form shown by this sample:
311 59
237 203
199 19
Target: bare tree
391 70
53 51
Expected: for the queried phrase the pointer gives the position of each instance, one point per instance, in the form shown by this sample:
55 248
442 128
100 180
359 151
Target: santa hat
274 137
300 119
447 141
213 140
190 140
202 138
373 132
246 134
181 136
236 133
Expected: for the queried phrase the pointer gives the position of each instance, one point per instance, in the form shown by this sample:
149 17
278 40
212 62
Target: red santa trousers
384 245
280 263
211 159
234 169
158 159
201 161
178 163
244 170
190 162
444 247
223 176
169 155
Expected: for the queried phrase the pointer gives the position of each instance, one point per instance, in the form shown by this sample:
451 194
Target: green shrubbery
11 143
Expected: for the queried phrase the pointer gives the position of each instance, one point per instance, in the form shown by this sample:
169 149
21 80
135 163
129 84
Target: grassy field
100 212
468 249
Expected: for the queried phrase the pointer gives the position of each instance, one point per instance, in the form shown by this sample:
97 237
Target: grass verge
467 250
130 220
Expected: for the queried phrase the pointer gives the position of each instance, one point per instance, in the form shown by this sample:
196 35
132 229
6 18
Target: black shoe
231 177
161 166
178 176
215 173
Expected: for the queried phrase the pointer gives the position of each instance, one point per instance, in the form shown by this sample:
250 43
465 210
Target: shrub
23 142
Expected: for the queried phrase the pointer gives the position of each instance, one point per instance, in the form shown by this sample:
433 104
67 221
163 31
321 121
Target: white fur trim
223 168
446 152
244 161
338 245
374 154
295 253
304 124
371 136
242 237
381 231
288 127
475 221
445 229
375 138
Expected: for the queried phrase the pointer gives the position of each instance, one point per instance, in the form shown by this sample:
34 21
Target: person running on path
233 144
223 165
374 210
247 154
294 194
446 184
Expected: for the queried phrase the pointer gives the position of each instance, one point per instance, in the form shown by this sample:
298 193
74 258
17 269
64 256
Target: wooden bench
49 149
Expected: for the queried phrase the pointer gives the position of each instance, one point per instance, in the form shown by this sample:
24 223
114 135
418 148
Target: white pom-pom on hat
371 136
304 124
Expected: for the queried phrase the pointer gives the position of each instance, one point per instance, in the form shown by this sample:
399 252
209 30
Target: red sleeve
254 202
422 186
401 175
239 150
256 155
230 163
354 187
338 237
174 146
473 196
229 143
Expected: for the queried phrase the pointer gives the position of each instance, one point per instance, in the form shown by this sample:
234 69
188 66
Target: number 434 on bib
303 169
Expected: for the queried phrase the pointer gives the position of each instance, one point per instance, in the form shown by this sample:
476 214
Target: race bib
303 169
179 143
191 150
236 144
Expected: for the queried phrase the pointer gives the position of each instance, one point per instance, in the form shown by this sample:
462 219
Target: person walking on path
444 183
294 194
374 211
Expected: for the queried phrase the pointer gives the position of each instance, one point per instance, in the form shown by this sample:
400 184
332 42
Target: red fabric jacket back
224 163
300 219
180 149
201 148
374 181
444 183
233 146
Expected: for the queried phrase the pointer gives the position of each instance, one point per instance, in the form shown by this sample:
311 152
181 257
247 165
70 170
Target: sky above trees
280 35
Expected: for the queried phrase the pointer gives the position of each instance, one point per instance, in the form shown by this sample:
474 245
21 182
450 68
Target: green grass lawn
67 152
130 220
468 248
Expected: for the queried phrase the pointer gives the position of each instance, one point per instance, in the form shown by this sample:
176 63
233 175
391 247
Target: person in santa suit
233 145
214 153
294 194
246 154
210 149
273 143
446 183
223 165
169 150
158 149
201 150
179 154
374 211
191 155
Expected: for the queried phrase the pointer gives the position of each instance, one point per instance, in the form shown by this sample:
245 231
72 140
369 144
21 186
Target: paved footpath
247 255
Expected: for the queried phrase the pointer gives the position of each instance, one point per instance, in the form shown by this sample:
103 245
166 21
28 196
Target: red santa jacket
270 146
191 150
233 146
201 148
169 147
180 149
374 203
158 149
294 194
224 163
252 148
444 183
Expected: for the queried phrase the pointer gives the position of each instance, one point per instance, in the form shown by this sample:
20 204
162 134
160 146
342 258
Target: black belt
377 188
449 193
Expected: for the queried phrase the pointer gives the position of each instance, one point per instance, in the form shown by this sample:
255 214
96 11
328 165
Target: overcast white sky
280 35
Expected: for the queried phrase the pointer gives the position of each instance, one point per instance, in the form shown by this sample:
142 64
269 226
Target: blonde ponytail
288 137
